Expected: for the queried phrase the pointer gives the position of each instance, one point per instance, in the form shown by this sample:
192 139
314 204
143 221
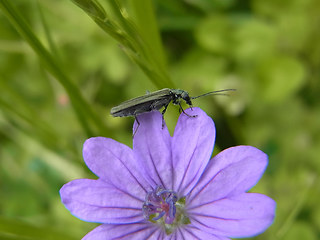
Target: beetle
156 100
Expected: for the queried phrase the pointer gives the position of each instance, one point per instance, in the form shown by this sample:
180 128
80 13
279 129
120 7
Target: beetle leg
135 131
185 112
163 112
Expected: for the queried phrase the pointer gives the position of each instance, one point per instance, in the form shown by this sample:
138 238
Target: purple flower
168 188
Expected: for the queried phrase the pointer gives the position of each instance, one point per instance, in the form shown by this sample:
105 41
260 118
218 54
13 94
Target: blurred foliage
61 71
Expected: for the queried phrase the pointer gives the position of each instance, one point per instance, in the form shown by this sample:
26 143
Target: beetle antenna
219 92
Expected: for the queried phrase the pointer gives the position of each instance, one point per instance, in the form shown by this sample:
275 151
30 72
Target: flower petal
99 201
233 171
151 144
244 215
114 162
192 146
192 232
136 231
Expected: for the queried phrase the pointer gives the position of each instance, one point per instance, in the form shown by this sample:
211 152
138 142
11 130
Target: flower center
163 207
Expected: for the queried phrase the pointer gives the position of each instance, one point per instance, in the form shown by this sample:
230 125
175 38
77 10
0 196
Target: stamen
160 216
163 207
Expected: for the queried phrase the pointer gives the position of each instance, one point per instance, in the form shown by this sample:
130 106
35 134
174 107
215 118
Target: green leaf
139 37
92 7
279 77
252 40
145 19
214 33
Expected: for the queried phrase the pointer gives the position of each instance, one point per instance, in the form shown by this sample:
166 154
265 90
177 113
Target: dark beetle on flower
156 100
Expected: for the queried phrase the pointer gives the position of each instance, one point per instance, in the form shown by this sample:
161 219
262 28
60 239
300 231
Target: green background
63 68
